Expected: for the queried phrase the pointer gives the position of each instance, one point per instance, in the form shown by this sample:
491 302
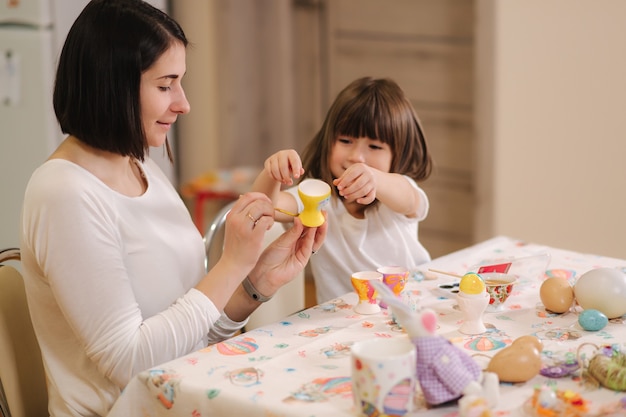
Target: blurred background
523 103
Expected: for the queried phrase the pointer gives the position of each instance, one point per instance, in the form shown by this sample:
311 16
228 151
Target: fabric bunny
444 371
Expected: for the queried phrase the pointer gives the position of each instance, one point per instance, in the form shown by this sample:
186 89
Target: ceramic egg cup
314 195
395 278
368 300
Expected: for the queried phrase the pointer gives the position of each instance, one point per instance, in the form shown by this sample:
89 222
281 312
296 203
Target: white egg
602 289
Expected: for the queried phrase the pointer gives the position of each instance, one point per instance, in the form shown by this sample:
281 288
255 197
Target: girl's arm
397 193
280 169
362 184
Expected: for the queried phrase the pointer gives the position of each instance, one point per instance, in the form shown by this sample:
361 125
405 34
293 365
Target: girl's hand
357 183
284 258
251 216
284 166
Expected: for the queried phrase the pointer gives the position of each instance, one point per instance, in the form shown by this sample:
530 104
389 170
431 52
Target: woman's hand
286 257
284 166
246 224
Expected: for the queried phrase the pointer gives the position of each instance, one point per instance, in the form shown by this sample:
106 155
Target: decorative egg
592 320
533 340
519 362
242 346
472 284
556 294
602 289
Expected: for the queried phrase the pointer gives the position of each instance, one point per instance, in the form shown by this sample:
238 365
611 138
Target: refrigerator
32 33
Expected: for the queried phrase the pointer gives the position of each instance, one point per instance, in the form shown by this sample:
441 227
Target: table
300 366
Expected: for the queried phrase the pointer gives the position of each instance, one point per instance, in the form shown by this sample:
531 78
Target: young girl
372 148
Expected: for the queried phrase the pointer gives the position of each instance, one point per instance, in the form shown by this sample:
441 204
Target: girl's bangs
366 121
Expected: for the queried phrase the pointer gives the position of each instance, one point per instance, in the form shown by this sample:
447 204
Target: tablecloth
300 366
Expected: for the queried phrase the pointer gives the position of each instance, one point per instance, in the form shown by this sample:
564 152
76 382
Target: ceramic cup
314 195
499 287
383 376
472 306
394 277
368 303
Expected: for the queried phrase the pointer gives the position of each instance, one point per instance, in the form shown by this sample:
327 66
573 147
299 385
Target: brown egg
519 362
556 294
532 340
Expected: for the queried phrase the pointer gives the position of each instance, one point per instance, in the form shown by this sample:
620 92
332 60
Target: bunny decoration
444 371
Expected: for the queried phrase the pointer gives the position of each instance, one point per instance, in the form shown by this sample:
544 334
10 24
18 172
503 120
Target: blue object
592 320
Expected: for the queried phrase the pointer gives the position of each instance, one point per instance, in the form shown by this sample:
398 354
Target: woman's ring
254 221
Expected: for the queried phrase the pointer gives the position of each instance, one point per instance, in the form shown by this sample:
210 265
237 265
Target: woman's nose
181 104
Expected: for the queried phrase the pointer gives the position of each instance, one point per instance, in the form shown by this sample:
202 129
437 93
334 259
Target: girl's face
161 94
347 151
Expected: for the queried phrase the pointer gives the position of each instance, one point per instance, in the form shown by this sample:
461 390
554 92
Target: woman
113 265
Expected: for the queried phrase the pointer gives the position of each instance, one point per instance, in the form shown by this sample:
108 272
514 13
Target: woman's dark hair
96 93
377 109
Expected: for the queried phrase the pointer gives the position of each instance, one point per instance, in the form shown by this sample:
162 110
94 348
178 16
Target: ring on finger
254 221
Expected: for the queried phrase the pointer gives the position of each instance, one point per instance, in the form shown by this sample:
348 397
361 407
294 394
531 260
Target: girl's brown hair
377 109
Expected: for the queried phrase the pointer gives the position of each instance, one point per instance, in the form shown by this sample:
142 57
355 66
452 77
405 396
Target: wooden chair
23 391
289 298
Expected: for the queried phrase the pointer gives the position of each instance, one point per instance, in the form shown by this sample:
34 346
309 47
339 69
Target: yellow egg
556 294
472 284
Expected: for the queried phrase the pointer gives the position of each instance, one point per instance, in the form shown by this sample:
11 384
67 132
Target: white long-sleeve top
382 238
109 281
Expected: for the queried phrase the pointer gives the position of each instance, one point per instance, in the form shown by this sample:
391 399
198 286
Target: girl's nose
357 154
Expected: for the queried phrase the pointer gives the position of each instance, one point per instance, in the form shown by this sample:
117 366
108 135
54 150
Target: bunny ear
429 320
384 293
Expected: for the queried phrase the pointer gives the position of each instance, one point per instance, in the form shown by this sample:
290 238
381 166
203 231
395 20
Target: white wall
551 101
30 131
198 131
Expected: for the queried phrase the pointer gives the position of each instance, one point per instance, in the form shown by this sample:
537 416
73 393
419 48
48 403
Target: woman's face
161 94
347 151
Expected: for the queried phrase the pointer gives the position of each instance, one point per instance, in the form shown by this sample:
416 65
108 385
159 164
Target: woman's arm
278 265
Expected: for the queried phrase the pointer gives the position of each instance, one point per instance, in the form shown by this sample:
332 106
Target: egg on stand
472 299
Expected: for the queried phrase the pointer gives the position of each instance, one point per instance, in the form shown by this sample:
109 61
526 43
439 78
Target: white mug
384 376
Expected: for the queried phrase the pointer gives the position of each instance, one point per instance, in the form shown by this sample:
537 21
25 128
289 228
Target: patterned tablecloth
300 366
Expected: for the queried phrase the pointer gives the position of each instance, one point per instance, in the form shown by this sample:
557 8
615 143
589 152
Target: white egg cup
473 306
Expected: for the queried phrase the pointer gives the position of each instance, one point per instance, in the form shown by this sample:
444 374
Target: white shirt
109 280
382 238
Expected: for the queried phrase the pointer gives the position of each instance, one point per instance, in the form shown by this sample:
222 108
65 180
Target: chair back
23 391
288 300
